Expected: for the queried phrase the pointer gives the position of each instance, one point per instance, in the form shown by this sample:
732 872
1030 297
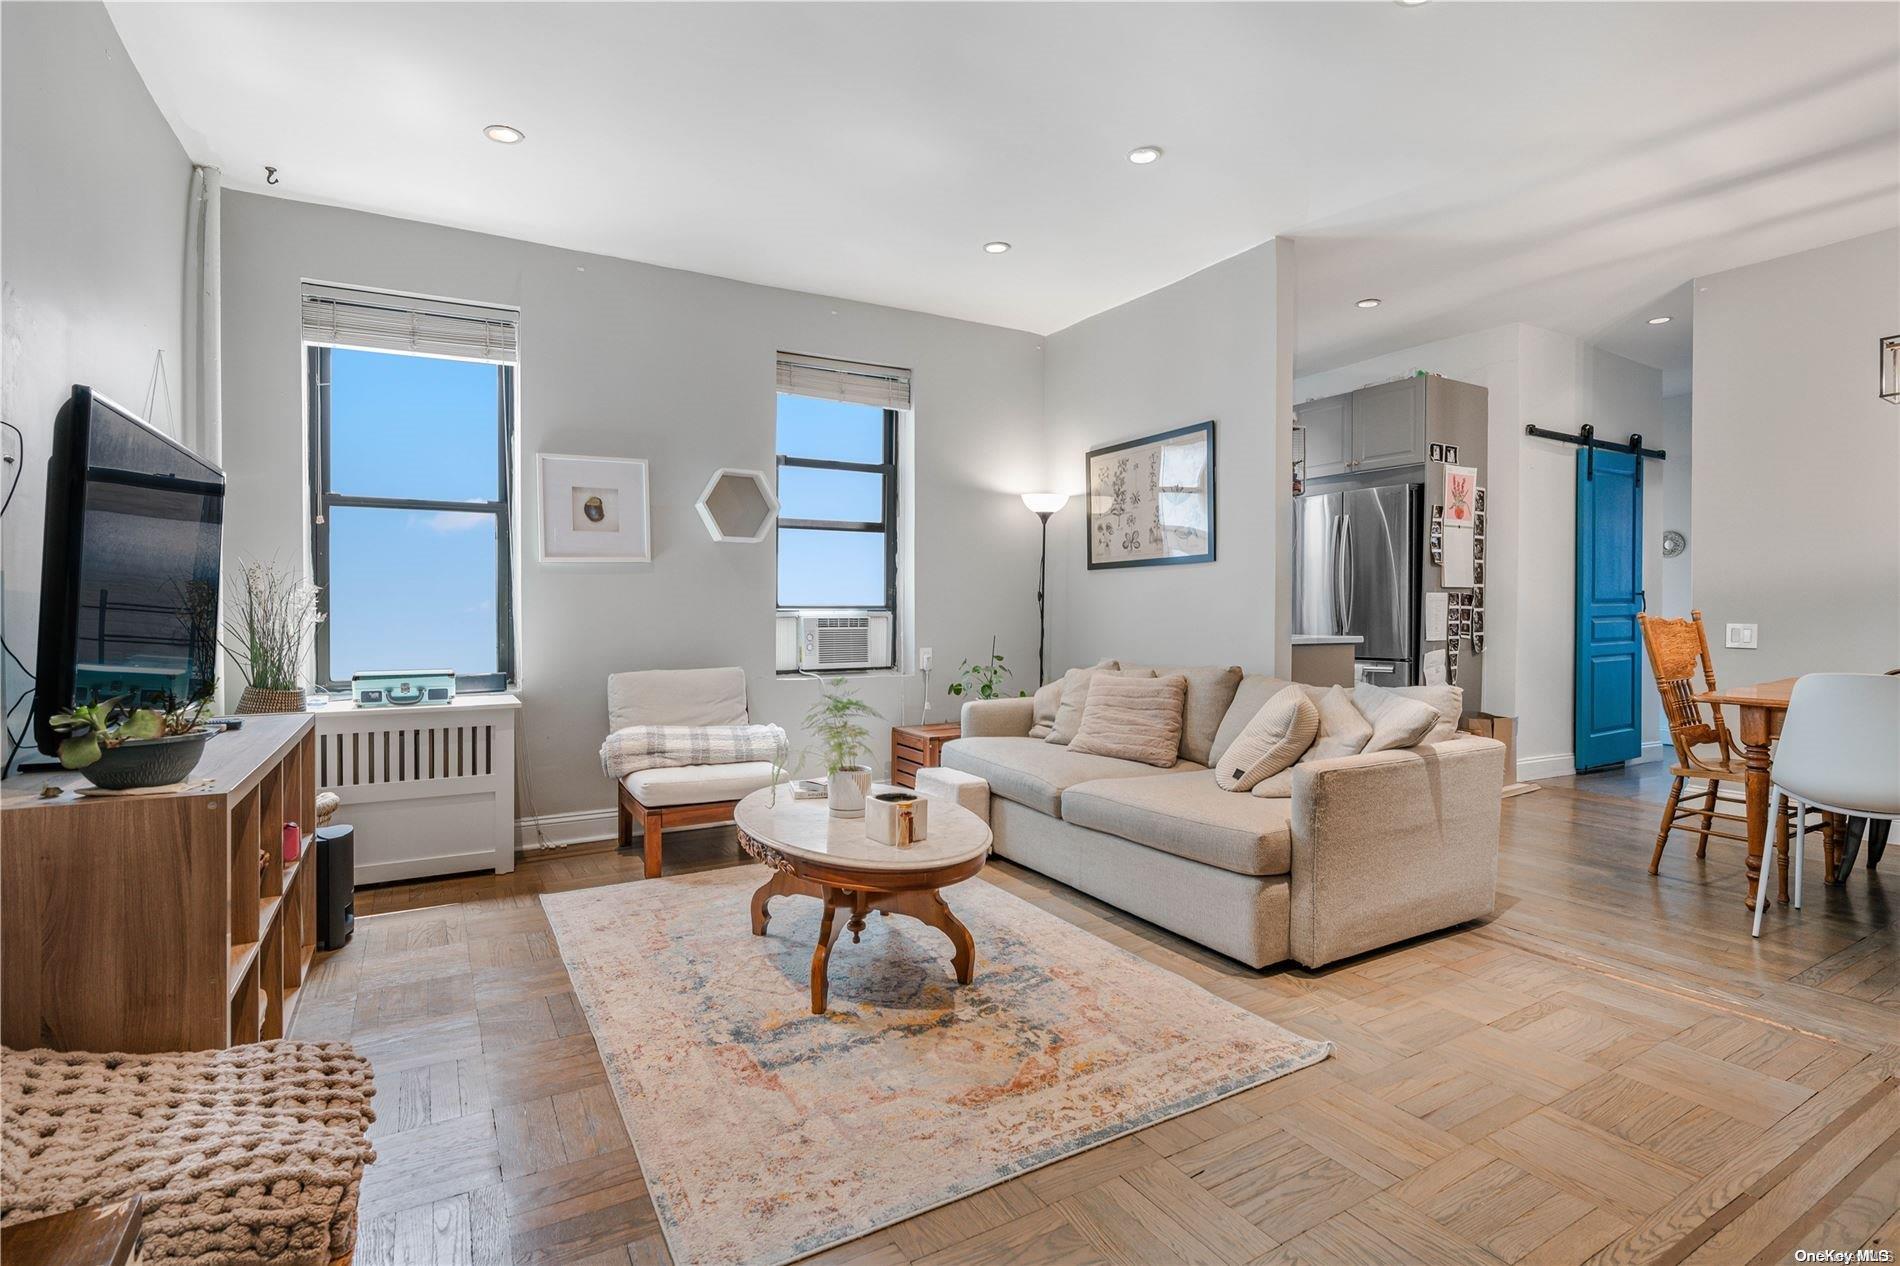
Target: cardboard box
1504 730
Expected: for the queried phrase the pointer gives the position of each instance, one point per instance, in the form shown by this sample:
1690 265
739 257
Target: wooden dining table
1762 708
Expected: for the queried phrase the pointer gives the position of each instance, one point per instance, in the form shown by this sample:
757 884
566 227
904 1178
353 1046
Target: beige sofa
1369 850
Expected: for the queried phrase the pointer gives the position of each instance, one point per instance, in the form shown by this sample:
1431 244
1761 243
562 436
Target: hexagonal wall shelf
738 505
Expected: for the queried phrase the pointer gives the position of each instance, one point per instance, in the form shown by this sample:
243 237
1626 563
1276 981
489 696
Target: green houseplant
836 722
121 748
983 679
272 617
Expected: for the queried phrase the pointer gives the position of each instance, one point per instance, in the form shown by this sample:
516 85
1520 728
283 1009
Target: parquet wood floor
1609 1071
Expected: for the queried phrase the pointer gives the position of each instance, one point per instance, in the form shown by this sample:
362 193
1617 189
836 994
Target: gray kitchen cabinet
1373 428
1388 425
1328 425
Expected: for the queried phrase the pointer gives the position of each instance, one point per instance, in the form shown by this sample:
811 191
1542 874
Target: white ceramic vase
846 789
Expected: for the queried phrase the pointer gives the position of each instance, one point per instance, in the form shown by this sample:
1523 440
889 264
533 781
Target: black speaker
336 886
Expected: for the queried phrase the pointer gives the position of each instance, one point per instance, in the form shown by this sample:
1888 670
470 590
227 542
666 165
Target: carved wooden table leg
1755 736
829 929
779 885
930 908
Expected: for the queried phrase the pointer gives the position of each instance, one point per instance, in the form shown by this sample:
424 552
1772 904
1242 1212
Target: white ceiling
1569 165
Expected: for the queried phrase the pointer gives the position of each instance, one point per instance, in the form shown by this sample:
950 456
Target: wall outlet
923 658
1742 637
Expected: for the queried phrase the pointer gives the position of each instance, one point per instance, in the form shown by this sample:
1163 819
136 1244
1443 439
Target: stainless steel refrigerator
1356 571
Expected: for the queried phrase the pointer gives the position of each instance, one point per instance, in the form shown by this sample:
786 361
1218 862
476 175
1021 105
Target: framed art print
1151 500
594 509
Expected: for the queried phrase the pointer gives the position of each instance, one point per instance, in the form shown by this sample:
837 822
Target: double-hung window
411 408
838 428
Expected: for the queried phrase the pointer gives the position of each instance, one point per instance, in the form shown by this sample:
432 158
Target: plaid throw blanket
641 747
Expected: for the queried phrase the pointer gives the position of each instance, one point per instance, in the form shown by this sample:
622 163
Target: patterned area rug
767 1133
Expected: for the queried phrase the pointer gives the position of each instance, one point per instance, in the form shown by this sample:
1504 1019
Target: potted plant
982 680
273 615
835 721
119 748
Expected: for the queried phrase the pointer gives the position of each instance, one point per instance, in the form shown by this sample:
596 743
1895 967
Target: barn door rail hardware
1587 439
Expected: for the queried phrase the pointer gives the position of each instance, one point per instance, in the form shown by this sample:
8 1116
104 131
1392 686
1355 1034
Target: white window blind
876 385
343 316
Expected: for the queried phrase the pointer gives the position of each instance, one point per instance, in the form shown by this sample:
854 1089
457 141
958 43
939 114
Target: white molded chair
1839 753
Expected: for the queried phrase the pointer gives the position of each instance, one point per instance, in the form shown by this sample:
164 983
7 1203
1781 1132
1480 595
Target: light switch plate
1742 637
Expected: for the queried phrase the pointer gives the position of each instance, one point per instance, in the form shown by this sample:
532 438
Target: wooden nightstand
915 747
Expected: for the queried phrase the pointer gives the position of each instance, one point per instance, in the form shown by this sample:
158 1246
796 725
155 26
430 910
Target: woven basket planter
254 700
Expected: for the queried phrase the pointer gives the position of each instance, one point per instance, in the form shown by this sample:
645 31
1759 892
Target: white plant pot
846 789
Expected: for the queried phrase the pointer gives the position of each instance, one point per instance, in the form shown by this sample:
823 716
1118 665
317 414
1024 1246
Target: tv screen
129 585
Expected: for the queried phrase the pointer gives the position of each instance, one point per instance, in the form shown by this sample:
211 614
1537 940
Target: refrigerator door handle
1350 567
1339 568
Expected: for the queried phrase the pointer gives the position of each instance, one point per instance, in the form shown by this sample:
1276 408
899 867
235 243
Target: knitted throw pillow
1284 728
1133 718
1075 694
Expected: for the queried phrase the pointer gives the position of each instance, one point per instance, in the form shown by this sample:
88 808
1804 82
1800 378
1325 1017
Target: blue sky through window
820 568
412 588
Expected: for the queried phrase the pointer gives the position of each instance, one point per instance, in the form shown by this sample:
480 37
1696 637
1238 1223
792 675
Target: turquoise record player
400 689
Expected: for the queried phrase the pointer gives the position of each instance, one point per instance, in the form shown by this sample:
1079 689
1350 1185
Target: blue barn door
1609 716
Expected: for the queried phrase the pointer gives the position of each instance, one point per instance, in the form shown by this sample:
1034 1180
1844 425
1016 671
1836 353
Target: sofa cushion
1034 773
1278 735
1397 722
1210 692
1447 701
1343 729
1135 718
1249 697
700 784
679 696
1075 696
1047 699
1186 814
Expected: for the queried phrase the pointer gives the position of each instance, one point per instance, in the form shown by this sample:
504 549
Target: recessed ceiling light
1368 303
996 248
1659 320
1411 4
504 134
1144 154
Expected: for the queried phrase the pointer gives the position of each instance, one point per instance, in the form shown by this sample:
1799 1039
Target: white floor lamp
1044 504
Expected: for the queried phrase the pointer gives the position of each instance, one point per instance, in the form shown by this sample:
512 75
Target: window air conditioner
843 639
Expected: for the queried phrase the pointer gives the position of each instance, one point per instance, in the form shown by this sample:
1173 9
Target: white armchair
689 795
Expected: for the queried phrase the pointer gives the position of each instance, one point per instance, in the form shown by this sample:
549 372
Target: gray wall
92 254
1797 459
1214 345
623 359
1673 593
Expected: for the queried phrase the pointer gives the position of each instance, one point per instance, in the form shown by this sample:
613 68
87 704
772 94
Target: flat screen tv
129 584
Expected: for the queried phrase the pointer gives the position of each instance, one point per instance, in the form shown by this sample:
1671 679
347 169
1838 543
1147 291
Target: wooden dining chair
1705 750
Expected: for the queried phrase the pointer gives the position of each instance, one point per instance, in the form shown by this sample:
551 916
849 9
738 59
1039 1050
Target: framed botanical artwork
594 509
1151 500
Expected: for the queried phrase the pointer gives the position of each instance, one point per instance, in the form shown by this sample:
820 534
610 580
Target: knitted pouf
247 1155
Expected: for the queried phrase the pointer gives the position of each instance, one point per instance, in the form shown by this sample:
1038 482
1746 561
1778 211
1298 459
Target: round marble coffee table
813 854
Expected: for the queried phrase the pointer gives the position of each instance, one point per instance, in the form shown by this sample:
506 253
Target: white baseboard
562 829
584 827
1563 764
